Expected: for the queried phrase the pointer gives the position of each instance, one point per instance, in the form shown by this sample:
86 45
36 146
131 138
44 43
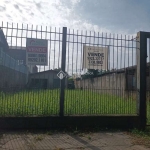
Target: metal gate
87 73
108 86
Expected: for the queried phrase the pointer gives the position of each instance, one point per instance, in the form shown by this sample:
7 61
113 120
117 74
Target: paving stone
59 141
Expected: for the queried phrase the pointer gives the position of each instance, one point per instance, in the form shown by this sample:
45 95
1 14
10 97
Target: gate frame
127 121
141 77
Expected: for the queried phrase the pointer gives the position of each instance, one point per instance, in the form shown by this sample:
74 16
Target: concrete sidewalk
67 141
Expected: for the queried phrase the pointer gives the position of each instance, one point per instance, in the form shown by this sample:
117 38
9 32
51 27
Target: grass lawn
77 102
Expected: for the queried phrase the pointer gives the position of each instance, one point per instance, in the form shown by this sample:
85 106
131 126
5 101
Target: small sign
36 52
61 75
95 57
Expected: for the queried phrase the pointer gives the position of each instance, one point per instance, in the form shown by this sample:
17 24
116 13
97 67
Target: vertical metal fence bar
11 46
93 83
120 86
54 63
32 90
41 90
44 107
84 83
123 66
75 73
98 88
81 83
11 88
148 88
46 39
73 101
50 48
24 91
57 91
110 76
89 84
67 108
133 73
114 87
75 82
6 31
101 81
128 74
77 55
59 49
105 84
20 74
126 77
39 107
116 76
76 76
63 64
54 47
9 100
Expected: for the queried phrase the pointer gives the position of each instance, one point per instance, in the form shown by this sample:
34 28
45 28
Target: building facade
13 72
119 82
44 80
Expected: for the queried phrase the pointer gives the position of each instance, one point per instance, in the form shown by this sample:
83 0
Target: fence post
141 77
63 65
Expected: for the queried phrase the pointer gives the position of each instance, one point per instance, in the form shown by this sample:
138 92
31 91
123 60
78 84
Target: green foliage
141 137
71 86
91 73
145 133
70 79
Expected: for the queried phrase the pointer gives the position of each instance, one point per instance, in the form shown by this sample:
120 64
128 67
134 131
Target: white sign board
95 57
36 52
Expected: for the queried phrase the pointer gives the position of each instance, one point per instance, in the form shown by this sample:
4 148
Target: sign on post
36 52
95 57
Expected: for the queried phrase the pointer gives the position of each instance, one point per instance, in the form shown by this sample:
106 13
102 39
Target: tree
90 74
57 69
93 72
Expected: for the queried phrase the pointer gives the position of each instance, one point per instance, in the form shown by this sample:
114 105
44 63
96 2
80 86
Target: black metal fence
111 91
28 90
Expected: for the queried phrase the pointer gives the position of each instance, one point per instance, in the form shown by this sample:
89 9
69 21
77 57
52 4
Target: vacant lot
77 102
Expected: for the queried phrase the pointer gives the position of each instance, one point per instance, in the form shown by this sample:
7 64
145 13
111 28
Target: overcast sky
113 16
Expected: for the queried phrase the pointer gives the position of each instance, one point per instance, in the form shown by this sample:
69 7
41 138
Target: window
20 62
